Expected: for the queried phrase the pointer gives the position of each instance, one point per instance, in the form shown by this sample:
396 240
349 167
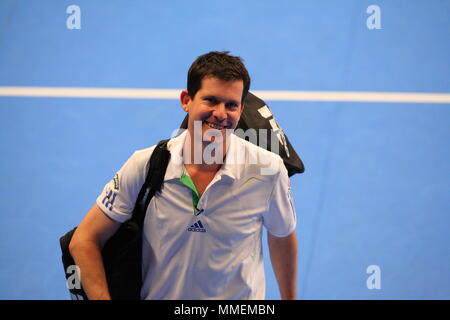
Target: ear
185 100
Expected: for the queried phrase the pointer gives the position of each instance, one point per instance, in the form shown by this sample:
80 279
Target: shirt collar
231 166
175 168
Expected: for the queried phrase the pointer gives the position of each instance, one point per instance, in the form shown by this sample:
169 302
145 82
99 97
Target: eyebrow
220 99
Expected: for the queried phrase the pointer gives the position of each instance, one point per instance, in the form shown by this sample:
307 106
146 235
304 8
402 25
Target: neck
204 155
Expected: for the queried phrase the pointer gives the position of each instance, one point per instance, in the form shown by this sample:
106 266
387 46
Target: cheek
236 116
204 114
199 114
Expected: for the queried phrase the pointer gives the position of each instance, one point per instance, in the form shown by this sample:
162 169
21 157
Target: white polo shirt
216 254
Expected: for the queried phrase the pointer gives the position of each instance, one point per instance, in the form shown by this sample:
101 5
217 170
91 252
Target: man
202 233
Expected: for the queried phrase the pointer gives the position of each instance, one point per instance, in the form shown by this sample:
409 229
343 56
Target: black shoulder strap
157 166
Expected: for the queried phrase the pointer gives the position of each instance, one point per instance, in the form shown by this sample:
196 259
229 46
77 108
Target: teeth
214 126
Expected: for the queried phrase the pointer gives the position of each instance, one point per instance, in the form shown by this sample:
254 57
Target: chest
201 180
229 206
229 222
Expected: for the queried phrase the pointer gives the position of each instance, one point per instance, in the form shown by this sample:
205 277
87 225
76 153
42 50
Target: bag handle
153 182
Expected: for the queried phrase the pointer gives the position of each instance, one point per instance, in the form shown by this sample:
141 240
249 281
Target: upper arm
280 216
282 249
96 226
282 242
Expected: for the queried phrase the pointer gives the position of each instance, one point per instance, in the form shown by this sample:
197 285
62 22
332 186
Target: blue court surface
373 205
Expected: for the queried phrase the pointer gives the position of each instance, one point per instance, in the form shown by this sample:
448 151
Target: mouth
215 126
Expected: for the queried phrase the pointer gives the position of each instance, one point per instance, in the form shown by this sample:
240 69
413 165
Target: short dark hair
218 64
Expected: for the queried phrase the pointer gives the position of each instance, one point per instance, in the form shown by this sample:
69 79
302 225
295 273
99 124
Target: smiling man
202 233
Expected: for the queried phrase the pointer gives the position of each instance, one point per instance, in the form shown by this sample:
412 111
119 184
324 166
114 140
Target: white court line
127 93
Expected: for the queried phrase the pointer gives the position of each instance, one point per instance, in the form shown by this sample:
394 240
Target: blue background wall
376 186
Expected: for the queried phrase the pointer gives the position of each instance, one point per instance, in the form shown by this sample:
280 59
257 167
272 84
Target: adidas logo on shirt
197 227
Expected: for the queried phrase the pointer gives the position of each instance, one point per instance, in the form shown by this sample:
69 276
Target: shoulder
259 162
140 158
142 155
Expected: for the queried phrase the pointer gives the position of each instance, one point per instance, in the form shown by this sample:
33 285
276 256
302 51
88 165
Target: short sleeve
119 195
280 218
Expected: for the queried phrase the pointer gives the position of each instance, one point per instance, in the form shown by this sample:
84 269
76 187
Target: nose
220 112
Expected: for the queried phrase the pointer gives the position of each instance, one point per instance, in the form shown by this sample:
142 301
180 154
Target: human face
217 105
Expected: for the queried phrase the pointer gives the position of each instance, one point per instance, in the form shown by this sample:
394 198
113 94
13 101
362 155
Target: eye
211 100
231 105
